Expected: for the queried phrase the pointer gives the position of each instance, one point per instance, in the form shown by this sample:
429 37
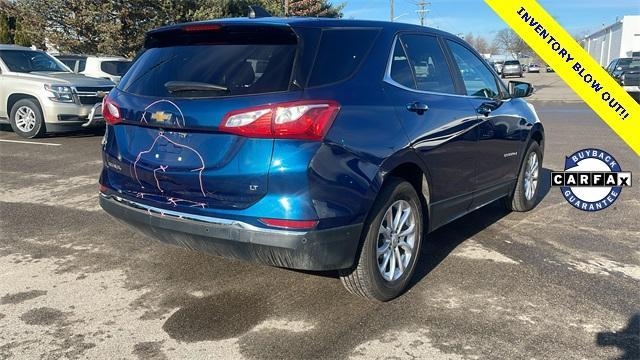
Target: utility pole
422 13
391 6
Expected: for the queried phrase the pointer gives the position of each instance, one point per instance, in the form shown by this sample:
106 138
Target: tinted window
477 78
401 69
25 61
512 62
428 63
339 54
629 64
117 68
71 63
82 65
240 68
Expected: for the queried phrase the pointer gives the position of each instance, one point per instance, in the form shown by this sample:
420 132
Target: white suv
39 94
105 67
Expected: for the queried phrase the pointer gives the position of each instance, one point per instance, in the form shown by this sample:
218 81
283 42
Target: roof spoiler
258 12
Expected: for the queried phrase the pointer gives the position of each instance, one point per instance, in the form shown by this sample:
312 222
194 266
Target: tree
479 43
314 8
118 27
508 41
5 32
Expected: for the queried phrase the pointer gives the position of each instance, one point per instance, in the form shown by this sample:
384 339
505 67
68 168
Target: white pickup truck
39 94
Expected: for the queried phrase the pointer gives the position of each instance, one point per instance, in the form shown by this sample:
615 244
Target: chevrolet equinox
314 144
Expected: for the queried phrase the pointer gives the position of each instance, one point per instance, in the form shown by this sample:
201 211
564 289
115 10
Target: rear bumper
315 250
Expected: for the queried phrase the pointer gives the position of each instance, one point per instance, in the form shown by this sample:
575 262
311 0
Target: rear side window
340 53
117 68
211 70
427 64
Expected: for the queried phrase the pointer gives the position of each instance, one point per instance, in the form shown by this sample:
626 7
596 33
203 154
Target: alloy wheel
25 119
396 240
531 176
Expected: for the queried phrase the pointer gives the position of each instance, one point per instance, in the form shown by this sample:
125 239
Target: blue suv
314 144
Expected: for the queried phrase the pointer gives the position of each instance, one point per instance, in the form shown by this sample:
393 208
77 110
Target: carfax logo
592 180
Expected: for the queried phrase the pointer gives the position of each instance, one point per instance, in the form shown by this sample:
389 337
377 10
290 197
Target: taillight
290 224
111 111
303 120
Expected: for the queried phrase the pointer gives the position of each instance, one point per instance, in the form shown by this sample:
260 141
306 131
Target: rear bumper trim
329 249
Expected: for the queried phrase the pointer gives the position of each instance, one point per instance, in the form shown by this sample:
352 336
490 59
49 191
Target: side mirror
519 89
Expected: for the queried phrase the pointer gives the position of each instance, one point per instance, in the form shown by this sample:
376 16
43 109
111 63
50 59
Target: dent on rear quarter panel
344 172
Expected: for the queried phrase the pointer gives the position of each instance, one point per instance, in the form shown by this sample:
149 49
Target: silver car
39 94
511 68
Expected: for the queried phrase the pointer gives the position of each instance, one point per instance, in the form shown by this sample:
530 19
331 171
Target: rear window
628 64
340 53
117 68
211 65
512 62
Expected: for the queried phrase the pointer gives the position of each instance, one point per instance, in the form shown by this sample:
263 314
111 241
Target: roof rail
258 12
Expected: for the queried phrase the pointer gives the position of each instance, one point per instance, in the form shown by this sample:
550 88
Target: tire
365 278
520 199
27 120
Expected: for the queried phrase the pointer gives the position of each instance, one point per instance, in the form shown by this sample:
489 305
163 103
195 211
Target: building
620 39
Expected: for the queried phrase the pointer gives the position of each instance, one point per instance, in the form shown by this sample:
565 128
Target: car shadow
627 339
440 243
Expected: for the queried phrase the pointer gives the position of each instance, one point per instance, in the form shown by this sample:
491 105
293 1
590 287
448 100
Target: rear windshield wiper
186 86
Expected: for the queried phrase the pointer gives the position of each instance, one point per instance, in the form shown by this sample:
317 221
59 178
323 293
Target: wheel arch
15 97
537 135
407 165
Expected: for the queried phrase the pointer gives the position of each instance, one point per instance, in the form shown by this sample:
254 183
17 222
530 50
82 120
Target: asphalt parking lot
555 283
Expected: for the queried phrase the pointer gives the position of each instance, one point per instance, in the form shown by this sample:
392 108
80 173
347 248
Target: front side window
477 78
426 62
26 61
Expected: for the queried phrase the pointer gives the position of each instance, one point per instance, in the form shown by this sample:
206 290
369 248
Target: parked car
106 67
626 71
342 154
498 67
511 68
39 94
74 62
534 68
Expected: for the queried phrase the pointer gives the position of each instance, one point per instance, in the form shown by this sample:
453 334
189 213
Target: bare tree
508 41
479 43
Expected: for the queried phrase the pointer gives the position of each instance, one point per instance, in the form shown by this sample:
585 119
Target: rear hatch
169 147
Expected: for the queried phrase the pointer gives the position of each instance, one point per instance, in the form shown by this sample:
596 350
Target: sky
464 16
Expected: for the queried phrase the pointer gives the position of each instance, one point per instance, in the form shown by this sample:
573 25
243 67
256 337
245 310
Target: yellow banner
574 65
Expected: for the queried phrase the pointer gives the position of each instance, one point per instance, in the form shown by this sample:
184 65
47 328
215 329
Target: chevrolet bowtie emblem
161 116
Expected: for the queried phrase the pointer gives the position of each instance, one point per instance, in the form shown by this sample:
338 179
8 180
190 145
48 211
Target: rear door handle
417 107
